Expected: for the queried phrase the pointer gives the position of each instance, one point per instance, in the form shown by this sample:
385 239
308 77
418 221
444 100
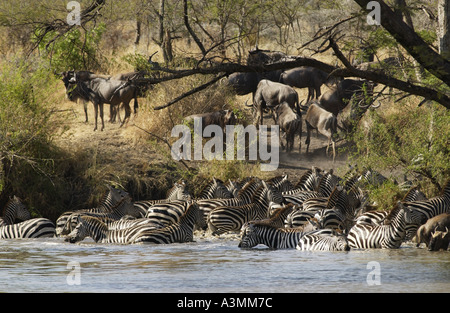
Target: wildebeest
100 90
325 122
439 222
75 95
305 77
440 240
271 94
245 83
338 97
289 122
220 118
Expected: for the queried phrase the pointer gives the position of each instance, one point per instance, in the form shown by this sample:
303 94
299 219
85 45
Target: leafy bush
409 139
74 50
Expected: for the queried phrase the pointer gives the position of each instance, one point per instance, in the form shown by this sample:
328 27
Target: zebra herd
322 211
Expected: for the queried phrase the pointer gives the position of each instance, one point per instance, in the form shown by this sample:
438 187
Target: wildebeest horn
246 101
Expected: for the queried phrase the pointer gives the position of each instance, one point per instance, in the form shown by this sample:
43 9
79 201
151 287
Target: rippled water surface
214 265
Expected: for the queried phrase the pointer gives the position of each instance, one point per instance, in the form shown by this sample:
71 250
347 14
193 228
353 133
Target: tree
444 27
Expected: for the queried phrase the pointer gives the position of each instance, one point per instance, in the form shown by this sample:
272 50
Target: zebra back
273 237
215 189
182 231
388 235
309 180
327 183
323 240
224 219
13 210
32 228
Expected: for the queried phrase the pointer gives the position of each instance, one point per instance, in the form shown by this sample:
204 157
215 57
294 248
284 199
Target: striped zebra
89 226
323 240
326 186
177 192
231 218
13 210
340 211
214 189
165 214
122 208
309 181
245 196
110 200
182 231
32 228
299 217
253 234
432 207
389 235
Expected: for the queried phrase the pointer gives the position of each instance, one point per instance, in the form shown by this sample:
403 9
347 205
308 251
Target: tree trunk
444 28
411 41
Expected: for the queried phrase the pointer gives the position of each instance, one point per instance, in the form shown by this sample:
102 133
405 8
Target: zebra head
16 209
87 226
249 236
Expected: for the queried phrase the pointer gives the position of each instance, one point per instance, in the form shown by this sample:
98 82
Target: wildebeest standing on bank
305 77
271 94
100 90
325 122
339 96
289 122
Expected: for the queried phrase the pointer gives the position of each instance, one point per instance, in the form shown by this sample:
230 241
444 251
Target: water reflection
214 265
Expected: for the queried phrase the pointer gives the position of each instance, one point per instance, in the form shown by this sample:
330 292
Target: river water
214 265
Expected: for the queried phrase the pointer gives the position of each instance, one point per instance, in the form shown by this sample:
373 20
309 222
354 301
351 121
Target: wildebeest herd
272 91
321 211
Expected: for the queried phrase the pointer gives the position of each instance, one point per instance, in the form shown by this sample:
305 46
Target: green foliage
74 50
411 140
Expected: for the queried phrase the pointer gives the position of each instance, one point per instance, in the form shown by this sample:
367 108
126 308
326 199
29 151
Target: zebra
122 208
165 214
432 207
298 217
182 231
32 228
389 235
91 226
177 192
340 211
214 189
326 185
13 210
323 240
245 196
223 219
110 200
253 234
308 182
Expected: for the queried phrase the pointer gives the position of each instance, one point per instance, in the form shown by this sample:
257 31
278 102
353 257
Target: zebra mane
211 185
254 183
279 215
11 201
393 213
414 194
446 189
307 176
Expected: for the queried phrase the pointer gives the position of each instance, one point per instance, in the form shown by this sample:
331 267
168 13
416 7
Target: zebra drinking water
323 240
